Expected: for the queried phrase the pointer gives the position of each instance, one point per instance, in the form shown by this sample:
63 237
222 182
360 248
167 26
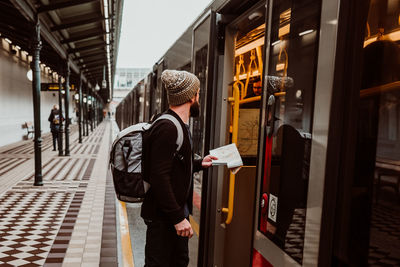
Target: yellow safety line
195 225
127 255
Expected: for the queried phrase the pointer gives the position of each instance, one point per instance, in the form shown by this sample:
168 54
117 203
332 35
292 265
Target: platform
70 220
74 219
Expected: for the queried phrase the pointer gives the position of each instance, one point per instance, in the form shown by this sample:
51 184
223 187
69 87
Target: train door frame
324 86
225 66
220 107
206 214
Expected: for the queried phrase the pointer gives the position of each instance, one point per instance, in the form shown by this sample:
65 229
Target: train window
377 165
290 83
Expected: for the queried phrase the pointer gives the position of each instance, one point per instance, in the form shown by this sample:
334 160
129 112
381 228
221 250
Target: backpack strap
179 139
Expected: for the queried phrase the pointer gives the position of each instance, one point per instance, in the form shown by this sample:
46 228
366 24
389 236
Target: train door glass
377 164
290 83
199 66
247 81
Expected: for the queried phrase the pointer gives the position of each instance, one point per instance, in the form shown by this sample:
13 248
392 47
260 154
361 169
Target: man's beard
195 109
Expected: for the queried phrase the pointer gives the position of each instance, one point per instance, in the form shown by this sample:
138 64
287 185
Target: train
309 91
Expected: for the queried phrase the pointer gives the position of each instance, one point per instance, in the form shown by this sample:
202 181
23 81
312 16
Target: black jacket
169 175
53 114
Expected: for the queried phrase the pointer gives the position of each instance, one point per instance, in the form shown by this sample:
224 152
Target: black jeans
164 248
55 139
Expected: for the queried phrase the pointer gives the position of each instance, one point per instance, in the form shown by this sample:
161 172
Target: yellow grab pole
235 128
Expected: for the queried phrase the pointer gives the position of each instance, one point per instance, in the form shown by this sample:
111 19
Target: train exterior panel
309 92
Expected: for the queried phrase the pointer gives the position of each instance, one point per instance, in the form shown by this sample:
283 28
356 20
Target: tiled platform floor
59 223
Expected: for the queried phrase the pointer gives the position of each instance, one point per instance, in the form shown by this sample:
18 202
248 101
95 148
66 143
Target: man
55 119
168 202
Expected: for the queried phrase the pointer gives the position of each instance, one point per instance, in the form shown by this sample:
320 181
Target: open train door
238 107
204 40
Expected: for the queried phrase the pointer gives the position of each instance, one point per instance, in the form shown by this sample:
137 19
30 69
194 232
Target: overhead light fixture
89 102
19 48
8 40
97 87
62 91
76 96
84 100
29 75
306 32
255 15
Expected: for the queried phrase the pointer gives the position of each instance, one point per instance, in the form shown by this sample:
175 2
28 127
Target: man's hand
207 161
184 228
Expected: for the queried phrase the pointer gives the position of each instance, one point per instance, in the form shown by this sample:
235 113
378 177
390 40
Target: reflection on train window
378 146
290 84
200 65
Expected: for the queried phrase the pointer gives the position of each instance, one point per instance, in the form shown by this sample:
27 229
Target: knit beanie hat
181 86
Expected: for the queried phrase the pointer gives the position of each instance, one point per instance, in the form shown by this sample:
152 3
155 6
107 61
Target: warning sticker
272 207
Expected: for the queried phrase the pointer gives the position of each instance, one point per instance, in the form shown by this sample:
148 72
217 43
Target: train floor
74 219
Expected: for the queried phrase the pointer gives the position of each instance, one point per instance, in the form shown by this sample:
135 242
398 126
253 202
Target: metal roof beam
93 70
99 60
69 3
90 66
76 23
87 69
82 37
88 47
95 75
29 13
103 53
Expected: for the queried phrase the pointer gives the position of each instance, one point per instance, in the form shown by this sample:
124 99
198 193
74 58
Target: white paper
227 155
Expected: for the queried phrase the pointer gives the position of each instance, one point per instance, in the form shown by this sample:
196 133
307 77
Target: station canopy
84 33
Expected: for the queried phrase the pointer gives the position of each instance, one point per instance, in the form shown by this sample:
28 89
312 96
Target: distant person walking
55 120
168 202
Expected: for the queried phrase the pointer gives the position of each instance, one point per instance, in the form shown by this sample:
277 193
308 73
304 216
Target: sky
150 27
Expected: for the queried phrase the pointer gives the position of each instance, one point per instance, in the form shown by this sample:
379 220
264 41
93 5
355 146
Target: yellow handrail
280 94
250 71
235 129
250 99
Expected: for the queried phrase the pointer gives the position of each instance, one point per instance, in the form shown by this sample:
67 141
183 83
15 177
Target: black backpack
126 160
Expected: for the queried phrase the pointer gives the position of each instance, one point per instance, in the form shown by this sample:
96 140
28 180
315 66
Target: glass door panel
199 67
290 84
378 140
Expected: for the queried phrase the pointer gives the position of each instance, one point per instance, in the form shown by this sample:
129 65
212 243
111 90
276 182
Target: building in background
126 79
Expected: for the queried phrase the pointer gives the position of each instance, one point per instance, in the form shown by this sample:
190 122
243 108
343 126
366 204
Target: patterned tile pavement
29 221
61 222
